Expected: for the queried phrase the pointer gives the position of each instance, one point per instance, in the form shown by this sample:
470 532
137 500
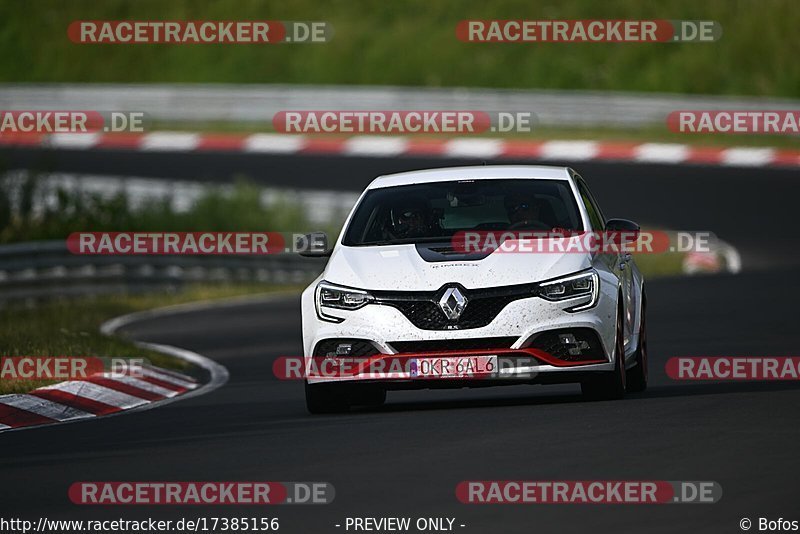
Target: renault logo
453 303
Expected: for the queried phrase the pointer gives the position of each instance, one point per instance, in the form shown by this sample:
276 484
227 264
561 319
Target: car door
619 263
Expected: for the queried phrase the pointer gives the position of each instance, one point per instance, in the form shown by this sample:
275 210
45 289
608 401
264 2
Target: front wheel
637 376
610 385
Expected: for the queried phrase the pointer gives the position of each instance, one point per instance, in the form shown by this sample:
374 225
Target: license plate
453 366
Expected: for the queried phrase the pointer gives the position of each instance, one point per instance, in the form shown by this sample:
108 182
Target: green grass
412 42
71 328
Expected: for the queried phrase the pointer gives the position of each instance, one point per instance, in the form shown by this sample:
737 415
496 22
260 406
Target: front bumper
519 324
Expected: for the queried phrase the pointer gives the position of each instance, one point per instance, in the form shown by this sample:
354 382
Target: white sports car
473 276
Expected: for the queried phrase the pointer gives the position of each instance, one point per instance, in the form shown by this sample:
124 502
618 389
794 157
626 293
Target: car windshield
437 211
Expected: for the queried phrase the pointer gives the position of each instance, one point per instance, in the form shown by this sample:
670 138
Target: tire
610 385
326 398
637 375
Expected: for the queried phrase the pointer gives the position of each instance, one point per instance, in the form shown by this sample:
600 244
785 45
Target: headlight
585 284
330 296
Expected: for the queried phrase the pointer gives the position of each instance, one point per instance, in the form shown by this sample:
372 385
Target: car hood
401 268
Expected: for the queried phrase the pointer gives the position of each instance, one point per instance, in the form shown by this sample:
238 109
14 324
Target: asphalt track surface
406 458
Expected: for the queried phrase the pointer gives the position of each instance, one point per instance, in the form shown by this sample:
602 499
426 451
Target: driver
522 210
411 217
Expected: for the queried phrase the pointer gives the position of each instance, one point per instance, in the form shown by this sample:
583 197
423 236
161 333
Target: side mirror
621 225
622 232
313 245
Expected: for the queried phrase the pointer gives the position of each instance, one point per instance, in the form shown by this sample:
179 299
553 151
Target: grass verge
72 328
413 43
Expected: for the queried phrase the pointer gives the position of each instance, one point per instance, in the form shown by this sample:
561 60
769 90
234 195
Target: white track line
110 327
219 374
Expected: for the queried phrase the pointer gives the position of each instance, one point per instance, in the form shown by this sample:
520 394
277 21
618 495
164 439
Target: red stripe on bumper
365 366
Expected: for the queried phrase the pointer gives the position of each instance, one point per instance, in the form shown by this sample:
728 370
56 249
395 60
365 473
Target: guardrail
258 103
46 269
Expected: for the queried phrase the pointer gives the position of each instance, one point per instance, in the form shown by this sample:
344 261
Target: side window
595 215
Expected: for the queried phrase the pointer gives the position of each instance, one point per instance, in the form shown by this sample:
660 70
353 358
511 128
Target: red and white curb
105 394
393 146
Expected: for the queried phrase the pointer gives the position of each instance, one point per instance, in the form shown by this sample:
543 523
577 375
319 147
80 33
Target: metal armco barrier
258 103
46 269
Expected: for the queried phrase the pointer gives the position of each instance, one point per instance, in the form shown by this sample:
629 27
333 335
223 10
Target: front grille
483 305
438 345
358 347
570 344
